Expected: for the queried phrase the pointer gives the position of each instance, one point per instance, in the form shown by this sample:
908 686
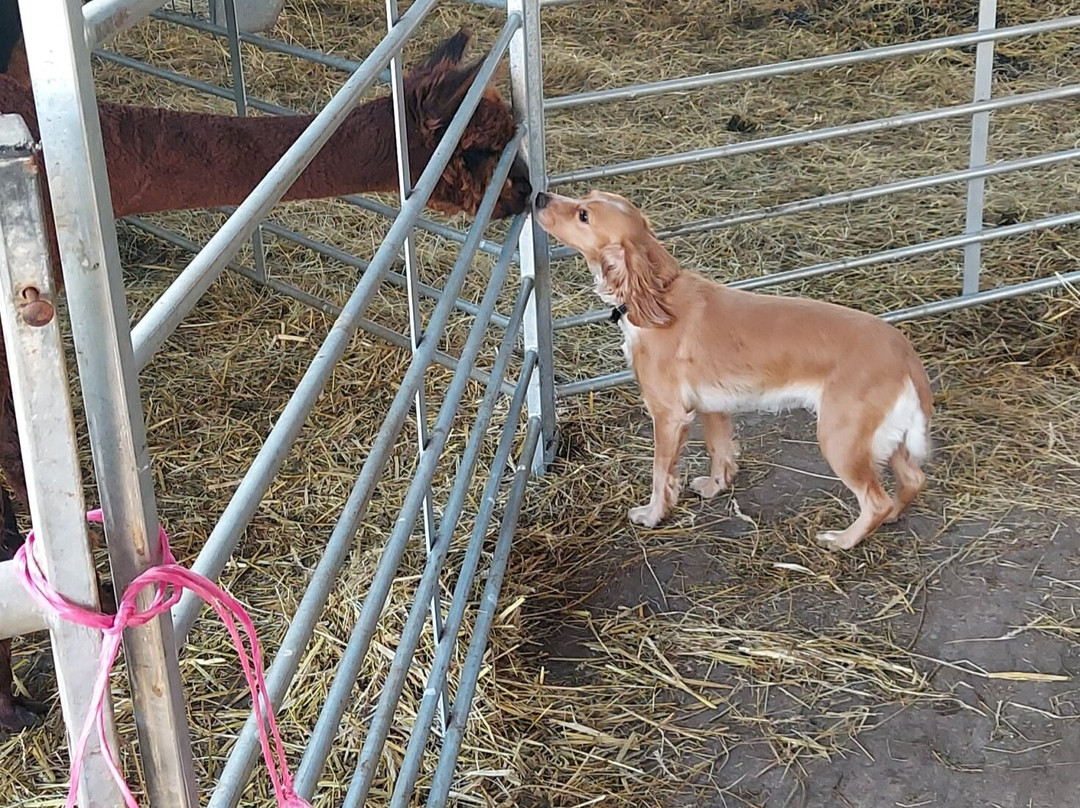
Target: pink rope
169 580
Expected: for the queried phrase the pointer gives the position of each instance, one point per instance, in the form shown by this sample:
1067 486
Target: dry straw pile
624 665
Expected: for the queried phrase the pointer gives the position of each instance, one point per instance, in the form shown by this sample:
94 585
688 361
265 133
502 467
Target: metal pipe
828 200
319 304
980 298
236 64
804 65
527 84
440 665
814 136
396 278
74 160
416 322
241 759
910 251
980 137
245 500
182 295
337 700
187 81
605 382
102 19
42 405
274 45
19 614
470 671
873 192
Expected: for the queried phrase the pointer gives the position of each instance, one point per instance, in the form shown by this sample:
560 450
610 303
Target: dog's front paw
646 515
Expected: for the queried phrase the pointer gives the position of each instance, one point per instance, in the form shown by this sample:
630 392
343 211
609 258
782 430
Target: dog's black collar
617 313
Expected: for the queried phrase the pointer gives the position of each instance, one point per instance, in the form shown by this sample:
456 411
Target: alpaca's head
434 92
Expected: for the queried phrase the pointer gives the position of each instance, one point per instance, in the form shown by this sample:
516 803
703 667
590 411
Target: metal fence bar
175 303
19 615
35 357
396 278
805 65
980 136
485 617
391 336
241 759
981 298
426 589
245 500
528 97
236 63
815 203
186 81
325 731
595 384
873 192
815 135
416 323
410 766
59 62
909 251
273 45
102 19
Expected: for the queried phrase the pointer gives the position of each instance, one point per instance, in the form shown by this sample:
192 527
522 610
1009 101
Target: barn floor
979 622
723 660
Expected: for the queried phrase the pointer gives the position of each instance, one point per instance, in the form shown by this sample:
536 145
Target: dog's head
630 265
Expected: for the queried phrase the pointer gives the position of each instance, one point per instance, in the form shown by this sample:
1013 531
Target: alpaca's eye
583 216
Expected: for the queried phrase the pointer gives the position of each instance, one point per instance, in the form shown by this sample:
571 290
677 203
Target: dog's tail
907 423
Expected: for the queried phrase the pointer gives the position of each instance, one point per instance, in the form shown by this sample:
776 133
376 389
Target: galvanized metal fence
970 292
59 35
110 358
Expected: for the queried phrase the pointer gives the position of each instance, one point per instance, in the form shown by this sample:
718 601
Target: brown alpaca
161 159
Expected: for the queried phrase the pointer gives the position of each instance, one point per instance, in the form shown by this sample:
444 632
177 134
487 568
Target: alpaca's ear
628 276
444 96
451 50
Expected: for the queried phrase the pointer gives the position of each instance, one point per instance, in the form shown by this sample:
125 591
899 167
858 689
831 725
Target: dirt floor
985 731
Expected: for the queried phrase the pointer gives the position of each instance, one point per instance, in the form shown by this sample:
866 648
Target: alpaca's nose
541 200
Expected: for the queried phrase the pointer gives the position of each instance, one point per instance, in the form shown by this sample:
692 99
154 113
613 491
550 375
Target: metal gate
109 359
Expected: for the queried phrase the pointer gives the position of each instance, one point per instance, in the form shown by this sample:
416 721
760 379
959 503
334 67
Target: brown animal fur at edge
167 160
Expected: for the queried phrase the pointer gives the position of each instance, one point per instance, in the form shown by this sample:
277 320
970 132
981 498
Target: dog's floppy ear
629 276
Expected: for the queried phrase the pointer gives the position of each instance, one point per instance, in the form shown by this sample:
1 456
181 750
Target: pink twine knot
169 580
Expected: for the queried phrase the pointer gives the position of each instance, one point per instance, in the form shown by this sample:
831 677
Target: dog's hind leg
910 482
719 440
846 443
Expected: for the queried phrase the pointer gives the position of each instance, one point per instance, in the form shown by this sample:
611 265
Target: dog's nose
541 200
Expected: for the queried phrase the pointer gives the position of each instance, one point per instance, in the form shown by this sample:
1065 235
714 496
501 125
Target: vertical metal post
240 94
980 135
47 432
63 86
527 82
416 324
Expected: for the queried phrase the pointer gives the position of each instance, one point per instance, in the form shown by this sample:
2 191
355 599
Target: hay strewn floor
722 660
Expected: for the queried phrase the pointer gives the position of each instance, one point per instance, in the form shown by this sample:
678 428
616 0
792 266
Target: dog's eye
583 216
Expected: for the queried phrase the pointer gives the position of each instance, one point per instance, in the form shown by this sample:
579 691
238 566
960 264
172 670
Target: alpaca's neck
165 160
